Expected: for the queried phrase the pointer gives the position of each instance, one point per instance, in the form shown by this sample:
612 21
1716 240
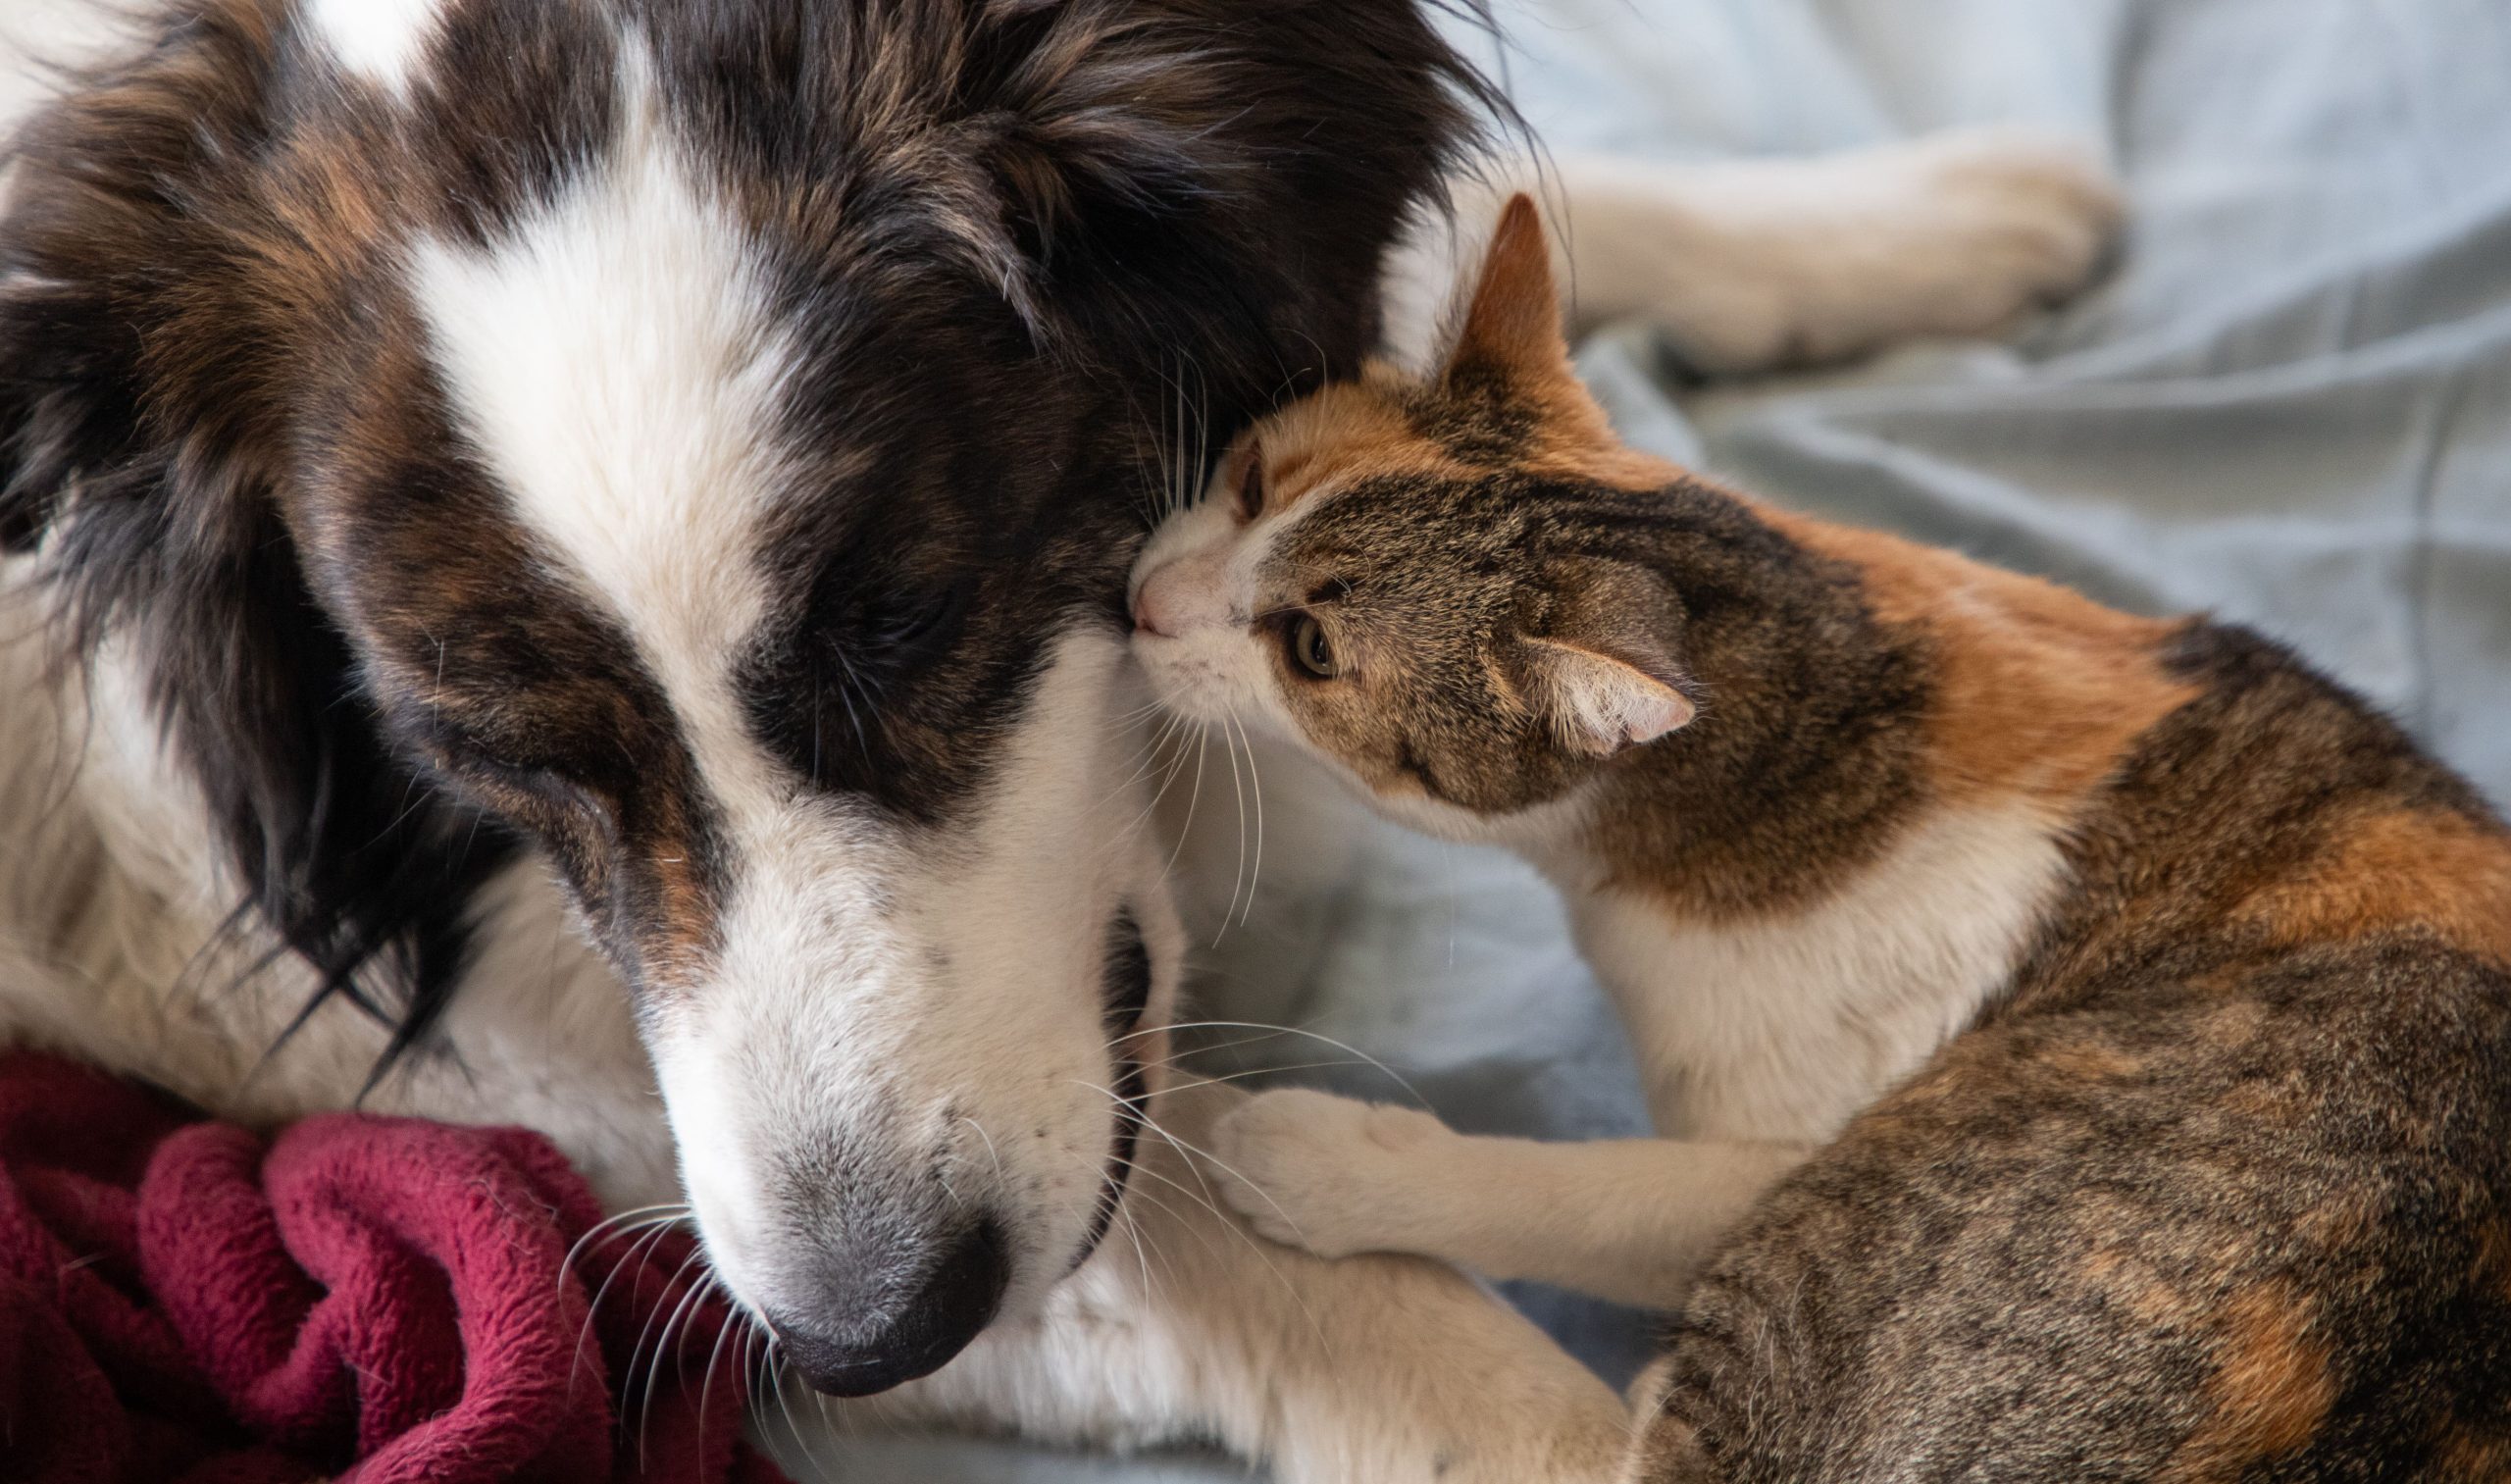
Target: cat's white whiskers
1184 831
1238 791
1255 787
1177 765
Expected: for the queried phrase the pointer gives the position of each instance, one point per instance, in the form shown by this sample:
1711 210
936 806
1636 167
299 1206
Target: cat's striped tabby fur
2081 1044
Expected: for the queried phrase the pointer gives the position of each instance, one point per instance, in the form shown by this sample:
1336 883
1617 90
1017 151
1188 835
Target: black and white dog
565 563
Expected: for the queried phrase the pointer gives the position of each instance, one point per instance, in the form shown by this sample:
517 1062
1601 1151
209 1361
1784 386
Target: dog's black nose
875 1333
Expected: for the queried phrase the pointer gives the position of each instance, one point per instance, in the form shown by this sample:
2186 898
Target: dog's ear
141 466
1213 185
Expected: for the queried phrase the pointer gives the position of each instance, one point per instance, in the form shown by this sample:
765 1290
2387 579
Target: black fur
1003 232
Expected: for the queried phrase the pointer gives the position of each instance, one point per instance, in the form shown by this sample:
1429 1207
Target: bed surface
2290 405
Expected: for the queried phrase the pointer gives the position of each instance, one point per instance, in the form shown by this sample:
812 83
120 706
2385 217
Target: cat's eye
1311 650
1250 488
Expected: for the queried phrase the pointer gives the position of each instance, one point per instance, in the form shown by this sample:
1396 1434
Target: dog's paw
1995 221
1312 1170
1766 263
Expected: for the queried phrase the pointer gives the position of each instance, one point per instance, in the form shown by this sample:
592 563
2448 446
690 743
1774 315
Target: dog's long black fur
1039 219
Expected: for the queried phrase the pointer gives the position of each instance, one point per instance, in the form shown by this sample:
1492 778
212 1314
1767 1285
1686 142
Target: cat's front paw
1312 1170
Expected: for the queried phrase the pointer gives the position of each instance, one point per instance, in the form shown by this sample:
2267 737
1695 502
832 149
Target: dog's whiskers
1344 1046
649 1233
663 1343
1189 1153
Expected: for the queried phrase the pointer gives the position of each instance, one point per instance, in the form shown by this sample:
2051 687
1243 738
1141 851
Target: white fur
617 365
384 41
1783 1029
1757 1043
1374 1372
1626 1219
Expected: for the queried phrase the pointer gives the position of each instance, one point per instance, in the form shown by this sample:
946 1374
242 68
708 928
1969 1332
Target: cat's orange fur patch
2271 1388
2041 691
2401 868
2080 1061
2133 1284
1354 428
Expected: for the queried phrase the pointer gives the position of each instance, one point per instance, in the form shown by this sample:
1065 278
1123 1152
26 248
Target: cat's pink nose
1183 597
1156 606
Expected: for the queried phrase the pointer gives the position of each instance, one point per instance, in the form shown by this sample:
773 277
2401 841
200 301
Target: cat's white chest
1783 1029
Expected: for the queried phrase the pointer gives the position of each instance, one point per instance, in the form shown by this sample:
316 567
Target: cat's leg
1187 1326
1623 1219
1753 264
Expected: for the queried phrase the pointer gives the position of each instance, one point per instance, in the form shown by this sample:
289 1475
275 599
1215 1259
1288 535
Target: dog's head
704 445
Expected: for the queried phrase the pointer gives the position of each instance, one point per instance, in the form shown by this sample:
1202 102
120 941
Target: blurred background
2291 404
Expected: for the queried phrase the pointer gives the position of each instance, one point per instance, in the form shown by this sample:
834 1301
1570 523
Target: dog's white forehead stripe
382 40
616 363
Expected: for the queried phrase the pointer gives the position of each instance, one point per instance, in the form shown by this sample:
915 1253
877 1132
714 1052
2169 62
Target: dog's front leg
1187 1326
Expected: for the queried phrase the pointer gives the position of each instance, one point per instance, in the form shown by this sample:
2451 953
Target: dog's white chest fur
1783 1029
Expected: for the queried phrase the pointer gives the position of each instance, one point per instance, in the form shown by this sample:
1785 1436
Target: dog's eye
531 791
1250 488
908 628
487 762
1311 652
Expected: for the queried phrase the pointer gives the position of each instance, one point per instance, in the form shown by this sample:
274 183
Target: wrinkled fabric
377 1300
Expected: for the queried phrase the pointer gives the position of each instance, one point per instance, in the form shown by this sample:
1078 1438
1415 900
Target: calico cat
2081 1043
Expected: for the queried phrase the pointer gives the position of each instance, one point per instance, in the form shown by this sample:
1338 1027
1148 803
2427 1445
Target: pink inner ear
1657 710
1606 704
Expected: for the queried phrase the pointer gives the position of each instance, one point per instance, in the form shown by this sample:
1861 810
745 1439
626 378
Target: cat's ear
1601 703
1513 325
1602 671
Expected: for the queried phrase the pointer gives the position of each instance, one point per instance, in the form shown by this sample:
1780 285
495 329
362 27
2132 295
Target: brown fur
2215 1189
2399 870
2038 690
2270 1393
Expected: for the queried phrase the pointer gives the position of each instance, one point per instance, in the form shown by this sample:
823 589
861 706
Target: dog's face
702 445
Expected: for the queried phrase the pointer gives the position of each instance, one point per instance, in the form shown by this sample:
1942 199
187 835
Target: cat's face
1398 576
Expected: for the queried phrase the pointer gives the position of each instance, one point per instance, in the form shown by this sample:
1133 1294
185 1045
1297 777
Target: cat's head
1429 581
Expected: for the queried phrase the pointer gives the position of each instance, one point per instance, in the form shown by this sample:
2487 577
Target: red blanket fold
377 1298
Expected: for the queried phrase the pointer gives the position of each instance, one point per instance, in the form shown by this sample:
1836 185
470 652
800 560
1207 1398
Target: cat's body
2081 1043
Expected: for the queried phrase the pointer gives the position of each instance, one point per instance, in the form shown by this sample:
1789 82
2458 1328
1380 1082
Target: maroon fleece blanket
378 1298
